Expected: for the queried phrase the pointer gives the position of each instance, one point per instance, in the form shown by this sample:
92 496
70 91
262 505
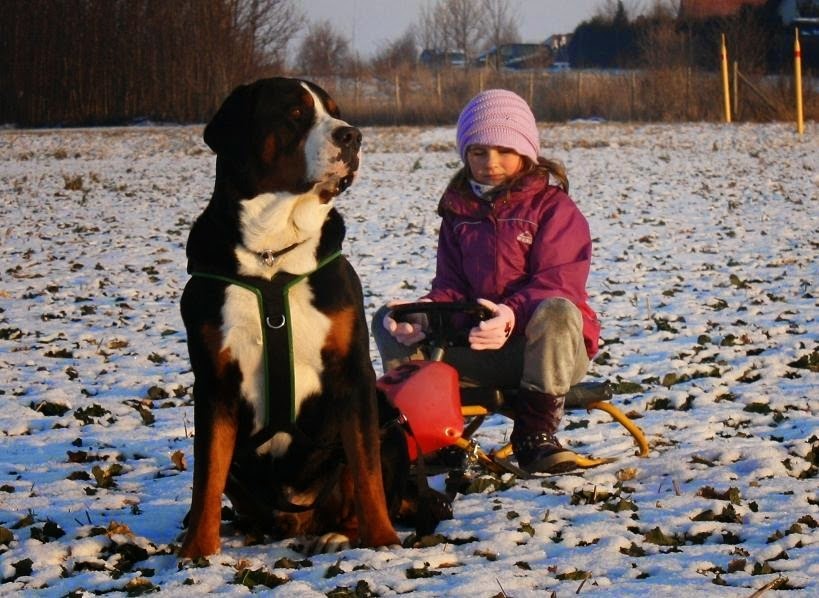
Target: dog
287 421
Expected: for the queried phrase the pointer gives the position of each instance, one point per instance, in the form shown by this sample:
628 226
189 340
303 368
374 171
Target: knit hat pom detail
498 117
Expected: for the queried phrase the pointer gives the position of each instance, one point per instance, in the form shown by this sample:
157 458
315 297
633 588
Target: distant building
794 12
558 42
803 15
519 56
516 57
433 58
706 9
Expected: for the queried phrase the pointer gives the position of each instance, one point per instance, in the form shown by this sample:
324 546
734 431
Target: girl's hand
407 333
492 333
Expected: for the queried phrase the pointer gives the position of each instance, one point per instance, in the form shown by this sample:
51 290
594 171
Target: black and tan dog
286 414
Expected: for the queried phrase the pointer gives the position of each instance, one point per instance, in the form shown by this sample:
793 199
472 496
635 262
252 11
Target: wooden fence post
688 95
531 87
736 89
397 96
579 82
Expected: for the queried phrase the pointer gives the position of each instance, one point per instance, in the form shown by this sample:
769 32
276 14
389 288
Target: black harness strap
277 340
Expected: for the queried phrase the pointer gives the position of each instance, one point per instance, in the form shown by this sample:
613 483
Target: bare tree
270 24
398 54
663 10
453 25
431 28
663 44
745 34
501 22
465 24
324 51
614 11
110 61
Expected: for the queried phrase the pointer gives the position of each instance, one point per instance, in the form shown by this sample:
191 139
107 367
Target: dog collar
269 257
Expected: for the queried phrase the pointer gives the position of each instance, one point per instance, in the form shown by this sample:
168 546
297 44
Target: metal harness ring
278 325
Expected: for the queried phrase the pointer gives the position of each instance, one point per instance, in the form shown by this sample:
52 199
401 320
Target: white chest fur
242 334
272 221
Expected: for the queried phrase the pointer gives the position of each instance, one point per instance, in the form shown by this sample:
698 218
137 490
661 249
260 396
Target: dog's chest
242 334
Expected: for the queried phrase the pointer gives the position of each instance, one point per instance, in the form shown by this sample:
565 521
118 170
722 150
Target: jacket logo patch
525 237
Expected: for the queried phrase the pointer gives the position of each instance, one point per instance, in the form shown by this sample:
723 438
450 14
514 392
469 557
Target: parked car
559 67
439 58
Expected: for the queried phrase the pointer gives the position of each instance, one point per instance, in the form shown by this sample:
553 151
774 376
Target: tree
398 54
453 25
665 10
612 12
110 61
271 24
432 34
464 21
662 43
501 23
608 40
749 37
324 51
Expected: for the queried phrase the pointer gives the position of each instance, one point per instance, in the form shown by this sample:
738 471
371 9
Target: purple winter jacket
530 244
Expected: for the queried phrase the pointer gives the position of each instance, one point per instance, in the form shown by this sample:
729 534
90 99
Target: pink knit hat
498 117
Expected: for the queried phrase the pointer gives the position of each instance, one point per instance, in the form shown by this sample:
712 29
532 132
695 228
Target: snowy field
705 278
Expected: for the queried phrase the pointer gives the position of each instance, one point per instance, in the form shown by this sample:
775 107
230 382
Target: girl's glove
407 333
492 333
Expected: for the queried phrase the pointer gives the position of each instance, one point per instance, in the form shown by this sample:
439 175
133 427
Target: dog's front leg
361 446
213 447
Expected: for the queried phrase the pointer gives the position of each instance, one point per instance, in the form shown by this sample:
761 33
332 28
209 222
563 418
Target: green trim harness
274 313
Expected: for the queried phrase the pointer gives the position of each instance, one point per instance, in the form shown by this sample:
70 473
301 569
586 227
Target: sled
441 413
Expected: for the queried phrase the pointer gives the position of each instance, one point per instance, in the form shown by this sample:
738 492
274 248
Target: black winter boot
537 417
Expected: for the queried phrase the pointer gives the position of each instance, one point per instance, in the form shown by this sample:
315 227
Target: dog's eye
295 113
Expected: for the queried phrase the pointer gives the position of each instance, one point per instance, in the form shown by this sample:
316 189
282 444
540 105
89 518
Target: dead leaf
178 459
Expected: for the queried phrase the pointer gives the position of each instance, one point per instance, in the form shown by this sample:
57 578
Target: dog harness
274 312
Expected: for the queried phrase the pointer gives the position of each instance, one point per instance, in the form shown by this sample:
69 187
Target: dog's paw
328 543
192 549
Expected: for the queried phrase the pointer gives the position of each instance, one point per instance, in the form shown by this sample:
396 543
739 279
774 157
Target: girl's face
493 165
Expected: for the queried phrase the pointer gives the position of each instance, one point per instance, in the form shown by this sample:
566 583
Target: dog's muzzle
348 140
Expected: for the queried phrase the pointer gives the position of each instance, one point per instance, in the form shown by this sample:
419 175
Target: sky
371 24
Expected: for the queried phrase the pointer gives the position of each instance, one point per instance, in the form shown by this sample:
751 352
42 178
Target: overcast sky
371 24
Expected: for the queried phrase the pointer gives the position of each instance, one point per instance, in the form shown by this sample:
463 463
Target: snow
704 276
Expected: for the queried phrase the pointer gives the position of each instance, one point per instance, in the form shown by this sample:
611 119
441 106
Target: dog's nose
347 138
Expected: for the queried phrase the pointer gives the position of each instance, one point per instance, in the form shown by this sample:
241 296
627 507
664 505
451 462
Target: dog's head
283 135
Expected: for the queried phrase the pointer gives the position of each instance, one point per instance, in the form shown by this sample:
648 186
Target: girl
512 239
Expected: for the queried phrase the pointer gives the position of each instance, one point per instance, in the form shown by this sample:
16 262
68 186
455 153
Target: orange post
725 91
797 78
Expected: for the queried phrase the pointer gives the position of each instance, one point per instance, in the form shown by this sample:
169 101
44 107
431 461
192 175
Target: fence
421 96
435 97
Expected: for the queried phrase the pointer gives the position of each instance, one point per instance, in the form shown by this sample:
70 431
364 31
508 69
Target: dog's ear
227 132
